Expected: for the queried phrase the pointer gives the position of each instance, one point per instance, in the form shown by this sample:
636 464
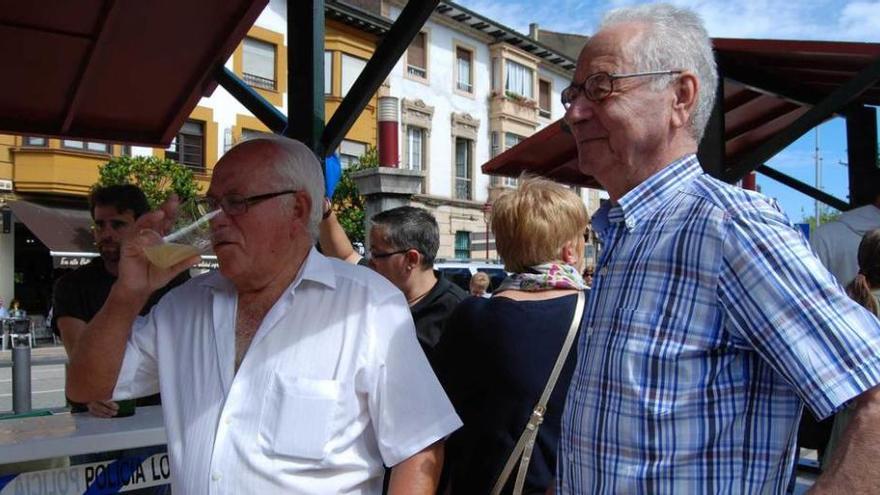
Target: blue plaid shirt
710 323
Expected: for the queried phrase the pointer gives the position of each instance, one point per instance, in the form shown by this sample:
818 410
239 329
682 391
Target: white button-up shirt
333 385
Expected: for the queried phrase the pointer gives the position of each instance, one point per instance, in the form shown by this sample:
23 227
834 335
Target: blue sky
767 19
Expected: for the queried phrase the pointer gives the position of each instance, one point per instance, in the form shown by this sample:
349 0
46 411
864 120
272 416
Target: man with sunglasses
283 372
79 295
710 322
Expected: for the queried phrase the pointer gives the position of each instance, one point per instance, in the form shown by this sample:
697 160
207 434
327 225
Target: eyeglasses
114 225
236 204
379 256
600 85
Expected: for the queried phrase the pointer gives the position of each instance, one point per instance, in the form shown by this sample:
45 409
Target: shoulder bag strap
522 451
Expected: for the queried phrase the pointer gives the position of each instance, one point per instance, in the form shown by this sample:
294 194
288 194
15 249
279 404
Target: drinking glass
190 235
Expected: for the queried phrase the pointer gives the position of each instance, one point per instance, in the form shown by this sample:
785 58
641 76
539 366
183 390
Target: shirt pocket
658 359
298 416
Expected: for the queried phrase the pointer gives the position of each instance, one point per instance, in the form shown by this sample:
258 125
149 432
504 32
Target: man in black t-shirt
403 244
79 295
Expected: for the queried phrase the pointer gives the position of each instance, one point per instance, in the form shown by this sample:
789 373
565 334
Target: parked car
459 272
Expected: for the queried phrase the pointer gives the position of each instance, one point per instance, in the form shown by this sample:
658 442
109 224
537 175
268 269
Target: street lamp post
487 215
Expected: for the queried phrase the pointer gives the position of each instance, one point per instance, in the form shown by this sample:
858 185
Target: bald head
283 163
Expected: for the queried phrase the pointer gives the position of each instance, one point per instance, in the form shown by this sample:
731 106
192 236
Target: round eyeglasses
600 85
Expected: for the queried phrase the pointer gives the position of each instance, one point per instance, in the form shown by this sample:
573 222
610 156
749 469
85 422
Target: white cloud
860 21
831 20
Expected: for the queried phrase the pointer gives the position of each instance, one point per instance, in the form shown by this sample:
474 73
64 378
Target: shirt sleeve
778 298
407 405
66 300
139 373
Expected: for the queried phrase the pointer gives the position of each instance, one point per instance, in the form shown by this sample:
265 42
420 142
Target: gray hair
675 39
408 227
297 167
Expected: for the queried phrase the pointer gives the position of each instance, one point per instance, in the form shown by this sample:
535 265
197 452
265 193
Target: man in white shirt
286 372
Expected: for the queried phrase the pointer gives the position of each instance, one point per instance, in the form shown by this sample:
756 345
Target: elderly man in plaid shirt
710 323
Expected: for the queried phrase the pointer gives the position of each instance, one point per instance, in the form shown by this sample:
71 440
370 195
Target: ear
302 207
568 253
413 258
685 99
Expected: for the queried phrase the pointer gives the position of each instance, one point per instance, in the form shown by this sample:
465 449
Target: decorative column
388 131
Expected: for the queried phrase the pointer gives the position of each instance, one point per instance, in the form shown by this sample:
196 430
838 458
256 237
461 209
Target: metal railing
259 81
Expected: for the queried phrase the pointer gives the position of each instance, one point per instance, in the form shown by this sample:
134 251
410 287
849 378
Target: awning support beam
86 72
861 149
804 188
305 73
253 101
838 99
764 82
389 51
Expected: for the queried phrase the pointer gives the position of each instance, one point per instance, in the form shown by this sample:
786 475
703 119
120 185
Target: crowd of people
681 364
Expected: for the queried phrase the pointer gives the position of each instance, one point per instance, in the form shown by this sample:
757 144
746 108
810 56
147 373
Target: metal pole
487 239
818 179
21 373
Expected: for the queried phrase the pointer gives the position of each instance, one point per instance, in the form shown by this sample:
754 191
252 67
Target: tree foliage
157 177
826 214
348 204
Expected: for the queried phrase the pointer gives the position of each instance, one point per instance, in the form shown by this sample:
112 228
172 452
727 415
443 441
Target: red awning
128 71
768 84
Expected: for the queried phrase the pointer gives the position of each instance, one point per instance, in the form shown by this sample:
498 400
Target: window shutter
415 54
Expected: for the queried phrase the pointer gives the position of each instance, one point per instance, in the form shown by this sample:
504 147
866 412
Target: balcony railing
462 188
258 81
416 71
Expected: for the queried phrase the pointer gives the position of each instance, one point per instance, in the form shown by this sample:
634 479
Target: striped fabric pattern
709 325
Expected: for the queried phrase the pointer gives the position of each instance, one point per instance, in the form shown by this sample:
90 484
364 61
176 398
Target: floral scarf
546 276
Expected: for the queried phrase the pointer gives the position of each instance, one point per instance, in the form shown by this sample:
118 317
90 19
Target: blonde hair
481 280
533 222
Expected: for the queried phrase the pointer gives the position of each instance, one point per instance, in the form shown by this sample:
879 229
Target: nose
581 109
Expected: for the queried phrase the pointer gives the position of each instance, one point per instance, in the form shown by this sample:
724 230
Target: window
328 72
544 98
350 153
417 57
35 141
463 167
462 244
351 69
519 79
415 148
85 146
510 140
258 63
188 147
463 62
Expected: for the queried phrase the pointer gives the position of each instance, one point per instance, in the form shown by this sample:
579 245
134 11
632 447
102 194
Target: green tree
157 177
826 214
348 204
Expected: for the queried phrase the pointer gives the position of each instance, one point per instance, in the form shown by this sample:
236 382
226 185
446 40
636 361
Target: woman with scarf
496 355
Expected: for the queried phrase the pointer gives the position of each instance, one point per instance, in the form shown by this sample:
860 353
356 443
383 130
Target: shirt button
227 421
216 476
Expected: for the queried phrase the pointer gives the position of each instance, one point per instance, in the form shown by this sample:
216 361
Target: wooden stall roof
113 70
768 84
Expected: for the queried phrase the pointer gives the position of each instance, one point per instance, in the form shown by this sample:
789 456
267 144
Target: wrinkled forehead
609 50
246 167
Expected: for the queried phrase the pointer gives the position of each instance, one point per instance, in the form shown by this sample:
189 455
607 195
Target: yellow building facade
57 174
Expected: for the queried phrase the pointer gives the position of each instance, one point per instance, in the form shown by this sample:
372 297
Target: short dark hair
124 197
408 227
